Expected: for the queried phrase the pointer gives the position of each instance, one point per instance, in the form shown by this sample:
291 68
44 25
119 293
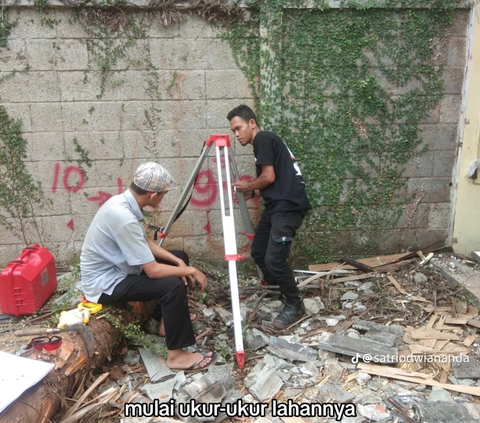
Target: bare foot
161 330
180 359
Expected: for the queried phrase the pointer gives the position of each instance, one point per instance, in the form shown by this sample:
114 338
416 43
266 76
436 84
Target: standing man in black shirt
280 184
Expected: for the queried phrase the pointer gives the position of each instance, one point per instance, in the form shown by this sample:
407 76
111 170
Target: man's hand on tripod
242 186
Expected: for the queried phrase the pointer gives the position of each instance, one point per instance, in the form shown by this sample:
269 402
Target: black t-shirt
287 192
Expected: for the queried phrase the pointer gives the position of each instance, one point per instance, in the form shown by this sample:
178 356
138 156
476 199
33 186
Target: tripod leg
242 205
181 200
231 254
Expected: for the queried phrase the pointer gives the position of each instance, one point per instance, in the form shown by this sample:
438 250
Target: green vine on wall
83 153
6 27
346 89
20 195
111 33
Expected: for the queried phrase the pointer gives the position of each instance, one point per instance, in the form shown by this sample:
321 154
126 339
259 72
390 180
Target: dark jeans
172 294
271 248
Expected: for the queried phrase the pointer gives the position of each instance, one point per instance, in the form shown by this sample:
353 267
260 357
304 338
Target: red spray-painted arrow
102 198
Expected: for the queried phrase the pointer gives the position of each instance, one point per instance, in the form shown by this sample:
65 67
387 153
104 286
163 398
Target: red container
26 283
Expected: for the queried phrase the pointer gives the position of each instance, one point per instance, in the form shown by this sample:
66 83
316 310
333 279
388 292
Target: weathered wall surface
180 83
171 91
358 155
427 218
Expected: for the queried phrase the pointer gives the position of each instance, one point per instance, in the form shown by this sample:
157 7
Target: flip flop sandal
213 358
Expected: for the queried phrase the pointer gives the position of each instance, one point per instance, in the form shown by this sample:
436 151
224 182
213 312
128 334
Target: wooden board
414 377
352 278
433 334
394 267
420 299
448 349
472 310
293 420
372 262
469 340
431 321
438 310
474 323
397 285
418 349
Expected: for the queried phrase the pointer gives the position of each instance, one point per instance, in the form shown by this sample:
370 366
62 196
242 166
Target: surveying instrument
222 145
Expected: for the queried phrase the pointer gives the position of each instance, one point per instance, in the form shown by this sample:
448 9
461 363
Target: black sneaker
292 311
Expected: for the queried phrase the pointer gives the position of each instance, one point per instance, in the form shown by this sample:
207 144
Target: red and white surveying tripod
222 142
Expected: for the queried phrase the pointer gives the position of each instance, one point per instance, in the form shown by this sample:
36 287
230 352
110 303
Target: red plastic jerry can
26 283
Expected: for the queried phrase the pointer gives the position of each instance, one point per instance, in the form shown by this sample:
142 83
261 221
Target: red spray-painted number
71 172
206 189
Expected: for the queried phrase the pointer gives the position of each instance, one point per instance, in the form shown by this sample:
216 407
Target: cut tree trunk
42 401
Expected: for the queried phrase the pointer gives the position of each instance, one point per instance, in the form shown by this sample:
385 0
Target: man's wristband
253 193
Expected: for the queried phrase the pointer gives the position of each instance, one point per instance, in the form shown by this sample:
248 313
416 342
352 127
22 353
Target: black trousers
171 292
271 248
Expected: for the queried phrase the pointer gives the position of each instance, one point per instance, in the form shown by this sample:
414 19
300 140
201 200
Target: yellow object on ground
73 317
92 307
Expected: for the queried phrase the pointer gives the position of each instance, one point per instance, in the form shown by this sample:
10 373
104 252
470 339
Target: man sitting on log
120 264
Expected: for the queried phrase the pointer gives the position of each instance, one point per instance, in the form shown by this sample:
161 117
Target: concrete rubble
322 360
336 354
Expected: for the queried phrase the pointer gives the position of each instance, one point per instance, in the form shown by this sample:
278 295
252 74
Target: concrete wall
427 218
198 83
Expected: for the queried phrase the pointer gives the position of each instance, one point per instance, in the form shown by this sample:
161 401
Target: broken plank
417 349
351 278
372 262
440 323
394 267
433 334
469 340
440 326
357 264
397 285
444 377
420 299
431 321
352 376
293 420
472 310
474 323
452 349
430 308
407 338
440 345
430 249
313 278
457 320
414 377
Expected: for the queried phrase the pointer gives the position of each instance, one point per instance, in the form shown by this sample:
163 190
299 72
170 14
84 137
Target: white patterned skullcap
153 177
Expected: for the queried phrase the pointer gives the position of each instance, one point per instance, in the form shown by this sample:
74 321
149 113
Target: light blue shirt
114 247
